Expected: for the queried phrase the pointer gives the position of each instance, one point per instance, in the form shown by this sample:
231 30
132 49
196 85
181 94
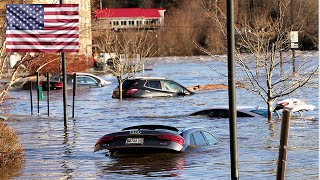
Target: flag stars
24 17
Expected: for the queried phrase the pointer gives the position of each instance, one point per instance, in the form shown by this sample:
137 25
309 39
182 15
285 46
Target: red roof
128 13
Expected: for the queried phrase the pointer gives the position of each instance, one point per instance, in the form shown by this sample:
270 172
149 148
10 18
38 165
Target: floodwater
53 152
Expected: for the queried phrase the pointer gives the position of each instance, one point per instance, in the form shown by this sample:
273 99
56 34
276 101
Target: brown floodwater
53 152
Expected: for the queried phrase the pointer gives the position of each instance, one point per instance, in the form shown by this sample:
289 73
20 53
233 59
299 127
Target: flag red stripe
60 5
61 13
42 43
42 50
61 28
43 35
60 20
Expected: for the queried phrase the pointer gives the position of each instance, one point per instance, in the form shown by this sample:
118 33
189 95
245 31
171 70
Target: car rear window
56 78
127 84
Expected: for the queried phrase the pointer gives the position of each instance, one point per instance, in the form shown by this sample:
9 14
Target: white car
83 78
294 105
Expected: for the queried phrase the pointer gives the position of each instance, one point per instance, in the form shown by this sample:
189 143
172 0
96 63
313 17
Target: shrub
11 152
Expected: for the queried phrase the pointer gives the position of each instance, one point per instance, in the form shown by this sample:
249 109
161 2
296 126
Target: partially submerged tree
268 73
126 51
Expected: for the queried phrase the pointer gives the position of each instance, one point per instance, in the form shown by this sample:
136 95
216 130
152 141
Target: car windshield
86 80
210 138
172 86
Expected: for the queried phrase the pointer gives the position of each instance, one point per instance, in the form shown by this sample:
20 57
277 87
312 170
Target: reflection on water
160 165
53 152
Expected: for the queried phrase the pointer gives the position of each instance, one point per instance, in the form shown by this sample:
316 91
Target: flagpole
65 103
232 91
64 74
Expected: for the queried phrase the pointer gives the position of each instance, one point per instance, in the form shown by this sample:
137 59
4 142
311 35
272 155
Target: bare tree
267 74
127 50
13 73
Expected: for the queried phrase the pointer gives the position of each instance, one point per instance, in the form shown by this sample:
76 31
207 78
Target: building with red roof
131 18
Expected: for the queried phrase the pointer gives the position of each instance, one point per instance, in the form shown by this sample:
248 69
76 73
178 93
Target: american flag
42 28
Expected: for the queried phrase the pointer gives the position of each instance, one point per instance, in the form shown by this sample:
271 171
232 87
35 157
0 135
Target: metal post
48 93
31 101
74 92
64 74
284 134
232 91
38 93
293 61
293 53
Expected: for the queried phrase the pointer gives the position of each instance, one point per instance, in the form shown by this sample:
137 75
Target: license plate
134 141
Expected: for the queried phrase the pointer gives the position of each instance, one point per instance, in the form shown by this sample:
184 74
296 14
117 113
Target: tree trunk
270 110
281 63
120 82
12 80
4 92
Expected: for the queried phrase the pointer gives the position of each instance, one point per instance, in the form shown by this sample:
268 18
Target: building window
139 23
123 23
116 23
131 23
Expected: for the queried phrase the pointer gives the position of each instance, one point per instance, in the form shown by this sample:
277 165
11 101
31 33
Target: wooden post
283 148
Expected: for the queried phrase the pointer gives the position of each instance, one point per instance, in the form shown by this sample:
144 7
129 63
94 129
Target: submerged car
147 87
83 80
153 138
294 105
223 112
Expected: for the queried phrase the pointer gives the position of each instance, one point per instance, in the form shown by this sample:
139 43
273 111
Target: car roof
151 127
85 74
147 78
240 109
194 129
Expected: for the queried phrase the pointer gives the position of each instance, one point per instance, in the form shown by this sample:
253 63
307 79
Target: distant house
130 18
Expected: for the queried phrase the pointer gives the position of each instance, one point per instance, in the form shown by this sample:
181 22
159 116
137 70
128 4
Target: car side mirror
182 93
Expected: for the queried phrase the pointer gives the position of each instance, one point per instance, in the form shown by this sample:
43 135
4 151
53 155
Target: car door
153 88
